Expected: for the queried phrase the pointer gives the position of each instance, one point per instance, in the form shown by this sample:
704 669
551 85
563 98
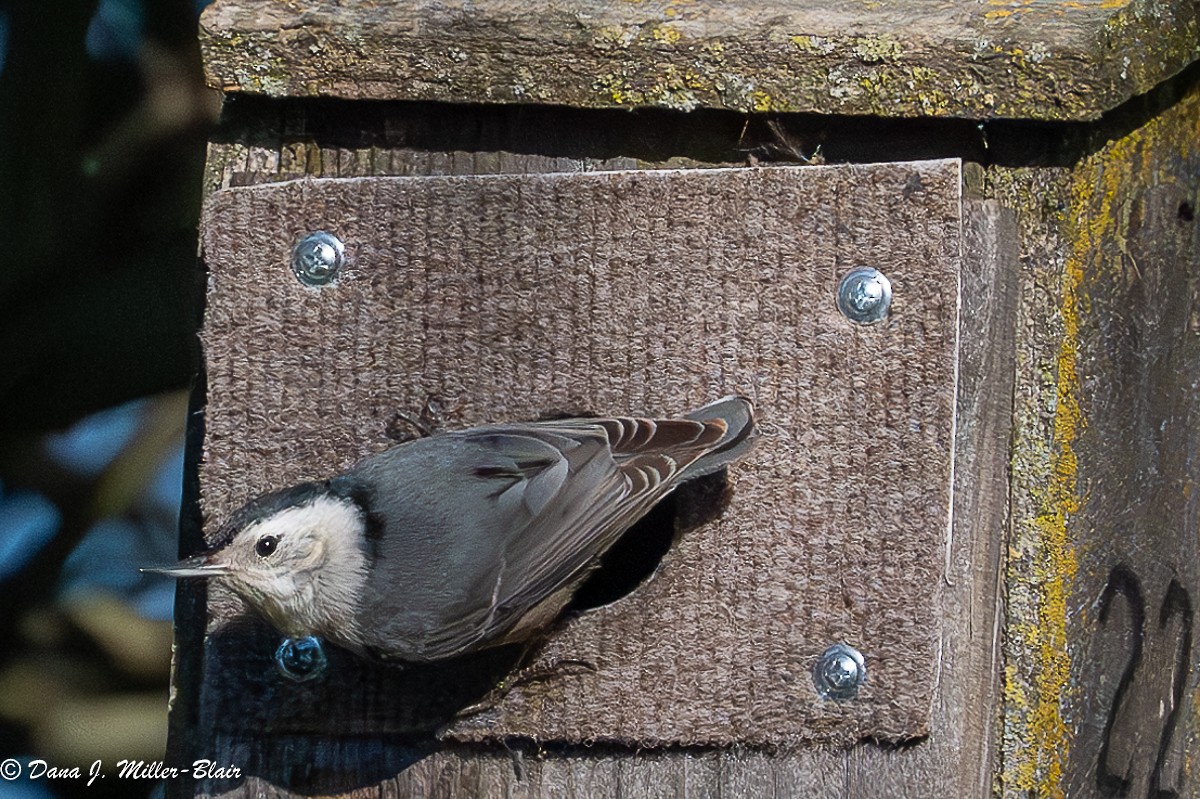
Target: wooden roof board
1032 59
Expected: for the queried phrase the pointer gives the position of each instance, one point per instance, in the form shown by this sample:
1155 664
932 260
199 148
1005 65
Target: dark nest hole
638 554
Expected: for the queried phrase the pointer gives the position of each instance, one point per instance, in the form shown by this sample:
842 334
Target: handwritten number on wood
1176 605
1124 583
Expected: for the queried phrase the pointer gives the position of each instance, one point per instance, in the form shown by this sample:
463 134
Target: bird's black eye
266 545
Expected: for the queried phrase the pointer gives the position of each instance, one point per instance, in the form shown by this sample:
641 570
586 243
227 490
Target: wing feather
611 486
539 503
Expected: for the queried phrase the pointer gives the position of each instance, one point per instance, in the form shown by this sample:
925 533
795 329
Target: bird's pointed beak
198 566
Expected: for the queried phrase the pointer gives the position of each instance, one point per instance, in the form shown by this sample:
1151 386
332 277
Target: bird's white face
303 567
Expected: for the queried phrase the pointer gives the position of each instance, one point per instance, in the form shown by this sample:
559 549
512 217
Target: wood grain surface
956 754
1102 694
1052 60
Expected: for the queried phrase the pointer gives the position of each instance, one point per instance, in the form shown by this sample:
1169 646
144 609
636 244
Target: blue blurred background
103 118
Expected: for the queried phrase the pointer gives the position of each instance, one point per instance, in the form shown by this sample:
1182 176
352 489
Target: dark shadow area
705 135
317 764
353 695
520 749
191 600
101 155
639 552
355 724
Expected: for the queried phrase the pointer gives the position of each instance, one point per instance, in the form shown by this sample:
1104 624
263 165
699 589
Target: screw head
839 672
301 659
317 258
865 295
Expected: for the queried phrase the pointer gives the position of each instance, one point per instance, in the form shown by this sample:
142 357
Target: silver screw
317 257
865 295
839 672
301 659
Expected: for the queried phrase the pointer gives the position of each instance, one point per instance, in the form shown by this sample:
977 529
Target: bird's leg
567 667
515 677
426 423
396 428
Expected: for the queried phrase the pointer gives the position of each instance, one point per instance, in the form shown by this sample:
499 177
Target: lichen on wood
1083 472
1054 61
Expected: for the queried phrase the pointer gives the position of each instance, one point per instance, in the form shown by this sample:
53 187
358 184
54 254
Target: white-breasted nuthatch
463 540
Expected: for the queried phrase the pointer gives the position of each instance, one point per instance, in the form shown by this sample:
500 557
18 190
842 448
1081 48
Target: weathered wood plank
669 774
1053 60
1101 692
817 772
961 748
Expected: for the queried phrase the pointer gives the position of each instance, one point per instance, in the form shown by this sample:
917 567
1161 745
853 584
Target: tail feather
740 434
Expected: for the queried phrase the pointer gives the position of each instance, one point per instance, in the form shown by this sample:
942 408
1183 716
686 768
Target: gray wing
638 463
495 520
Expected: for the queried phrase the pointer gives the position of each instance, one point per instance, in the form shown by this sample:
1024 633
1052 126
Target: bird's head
298 556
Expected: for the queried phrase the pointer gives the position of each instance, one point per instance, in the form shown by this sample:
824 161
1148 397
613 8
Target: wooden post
989 493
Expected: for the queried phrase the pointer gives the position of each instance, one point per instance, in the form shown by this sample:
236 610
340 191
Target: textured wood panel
513 297
958 756
1102 694
1045 60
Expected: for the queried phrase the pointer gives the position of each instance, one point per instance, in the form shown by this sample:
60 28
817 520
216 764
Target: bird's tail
739 438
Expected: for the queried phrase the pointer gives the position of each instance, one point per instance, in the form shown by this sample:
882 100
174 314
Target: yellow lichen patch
877 49
919 85
666 35
613 37
1037 685
1058 562
617 89
1040 763
1044 561
675 88
761 101
1007 8
1106 4
673 10
819 45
